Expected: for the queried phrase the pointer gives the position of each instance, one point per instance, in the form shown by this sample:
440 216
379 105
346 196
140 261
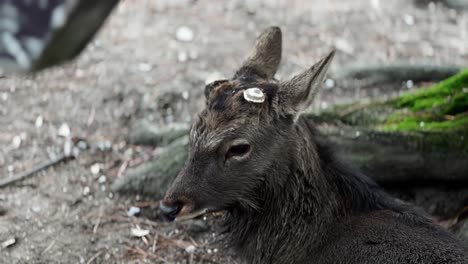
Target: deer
284 193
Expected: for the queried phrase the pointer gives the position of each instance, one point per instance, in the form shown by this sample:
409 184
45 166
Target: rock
9 242
137 232
184 34
133 211
64 130
39 121
95 168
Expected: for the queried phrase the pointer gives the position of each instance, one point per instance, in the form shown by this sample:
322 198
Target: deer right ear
298 93
265 58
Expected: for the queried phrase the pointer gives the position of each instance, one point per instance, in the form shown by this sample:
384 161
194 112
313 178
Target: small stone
184 34
190 249
68 148
421 124
102 179
64 130
133 210
16 142
9 242
344 46
82 144
409 84
39 121
95 168
329 83
36 209
409 19
323 105
182 56
104 146
4 96
86 190
137 232
145 67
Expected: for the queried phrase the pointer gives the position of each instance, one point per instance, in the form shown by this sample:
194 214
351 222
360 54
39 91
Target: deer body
287 197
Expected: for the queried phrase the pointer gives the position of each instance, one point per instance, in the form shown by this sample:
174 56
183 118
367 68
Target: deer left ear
298 93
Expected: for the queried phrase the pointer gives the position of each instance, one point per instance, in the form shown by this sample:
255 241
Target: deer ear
264 59
298 93
210 86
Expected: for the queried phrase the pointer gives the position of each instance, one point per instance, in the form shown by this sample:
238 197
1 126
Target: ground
137 67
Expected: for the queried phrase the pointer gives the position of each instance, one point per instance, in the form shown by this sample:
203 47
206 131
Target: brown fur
287 197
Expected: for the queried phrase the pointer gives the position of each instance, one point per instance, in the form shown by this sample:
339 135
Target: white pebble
145 67
182 56
102 179
9 242
86 190
409 19
95 168
16 142
136 232
409 84
184 34
64 130
190 249
39 121
133 210
329 83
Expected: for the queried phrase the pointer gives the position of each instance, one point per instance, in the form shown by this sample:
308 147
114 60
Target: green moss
435 96
443 106
424 123
458 104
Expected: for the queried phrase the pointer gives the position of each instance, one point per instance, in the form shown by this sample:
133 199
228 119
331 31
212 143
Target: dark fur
292 200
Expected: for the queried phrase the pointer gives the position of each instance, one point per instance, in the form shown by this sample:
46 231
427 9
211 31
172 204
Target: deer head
244 134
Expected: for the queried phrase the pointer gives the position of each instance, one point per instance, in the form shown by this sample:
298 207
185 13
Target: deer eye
238 149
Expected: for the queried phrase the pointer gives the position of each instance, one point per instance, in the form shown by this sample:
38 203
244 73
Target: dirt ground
136 67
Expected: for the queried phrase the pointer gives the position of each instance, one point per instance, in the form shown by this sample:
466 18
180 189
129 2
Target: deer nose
170 210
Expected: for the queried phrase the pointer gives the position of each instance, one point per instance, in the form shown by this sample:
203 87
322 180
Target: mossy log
408 144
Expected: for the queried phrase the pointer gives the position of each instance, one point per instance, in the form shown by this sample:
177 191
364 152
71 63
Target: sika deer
287 198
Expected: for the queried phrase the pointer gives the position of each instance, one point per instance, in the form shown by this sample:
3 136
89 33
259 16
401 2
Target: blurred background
151 61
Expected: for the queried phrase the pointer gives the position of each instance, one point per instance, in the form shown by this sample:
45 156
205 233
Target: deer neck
296 211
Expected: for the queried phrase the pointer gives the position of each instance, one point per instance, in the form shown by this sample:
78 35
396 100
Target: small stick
32 171
94 257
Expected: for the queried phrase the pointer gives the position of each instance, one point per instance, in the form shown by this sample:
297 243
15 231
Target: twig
96 226
48 247
32 171
94 257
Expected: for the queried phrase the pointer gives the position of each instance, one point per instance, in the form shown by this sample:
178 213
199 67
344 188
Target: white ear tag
254 95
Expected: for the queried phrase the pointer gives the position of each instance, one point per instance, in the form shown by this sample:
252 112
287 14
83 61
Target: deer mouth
182 216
